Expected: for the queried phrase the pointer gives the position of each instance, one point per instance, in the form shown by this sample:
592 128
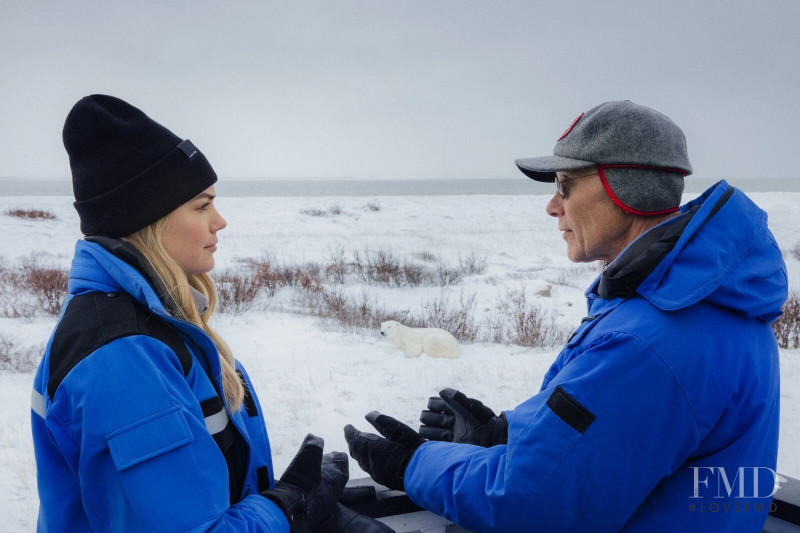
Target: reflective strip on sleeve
216 422
37 403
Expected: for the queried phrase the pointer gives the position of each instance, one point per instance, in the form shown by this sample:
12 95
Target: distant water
344 187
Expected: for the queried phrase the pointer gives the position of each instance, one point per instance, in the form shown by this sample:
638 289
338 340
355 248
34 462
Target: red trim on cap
570 127
619 203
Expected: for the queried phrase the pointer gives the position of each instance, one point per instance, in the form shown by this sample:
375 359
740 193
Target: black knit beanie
127 169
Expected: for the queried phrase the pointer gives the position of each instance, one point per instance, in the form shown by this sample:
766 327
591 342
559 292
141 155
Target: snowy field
313 380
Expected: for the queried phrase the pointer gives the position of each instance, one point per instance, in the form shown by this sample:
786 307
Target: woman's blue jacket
128 426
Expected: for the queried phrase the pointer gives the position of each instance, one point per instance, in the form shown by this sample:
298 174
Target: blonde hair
176 283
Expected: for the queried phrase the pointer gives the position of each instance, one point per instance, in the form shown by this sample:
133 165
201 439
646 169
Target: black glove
321 503
437 421
385 459
346 520
309 487
454 417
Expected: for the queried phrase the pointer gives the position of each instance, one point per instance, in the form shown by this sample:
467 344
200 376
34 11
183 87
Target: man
661 411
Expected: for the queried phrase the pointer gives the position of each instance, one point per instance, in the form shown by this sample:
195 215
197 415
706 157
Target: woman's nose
219 223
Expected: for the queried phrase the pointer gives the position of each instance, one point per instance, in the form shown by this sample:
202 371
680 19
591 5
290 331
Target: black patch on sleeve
570 410
95 319
262 475
249 402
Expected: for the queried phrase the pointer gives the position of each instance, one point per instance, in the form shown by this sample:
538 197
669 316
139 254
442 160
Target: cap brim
544 168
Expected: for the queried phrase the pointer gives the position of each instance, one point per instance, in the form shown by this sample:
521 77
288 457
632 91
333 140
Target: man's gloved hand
385 459
309 487
454 417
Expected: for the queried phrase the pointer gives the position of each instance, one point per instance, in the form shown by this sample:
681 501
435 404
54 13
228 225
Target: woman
142 419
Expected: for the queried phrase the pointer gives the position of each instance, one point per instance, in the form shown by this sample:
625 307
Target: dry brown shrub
302 275
337 268
45 281
310 282
525 323
415 275
383 267
237 290
458 319
266 273
338 311
446 275
472 265
31 214
269 278
288 275
787 326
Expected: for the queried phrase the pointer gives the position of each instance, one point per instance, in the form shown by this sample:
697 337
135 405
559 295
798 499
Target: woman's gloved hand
321 503
346 520
309 487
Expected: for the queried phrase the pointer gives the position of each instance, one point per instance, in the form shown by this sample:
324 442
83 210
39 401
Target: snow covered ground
314 380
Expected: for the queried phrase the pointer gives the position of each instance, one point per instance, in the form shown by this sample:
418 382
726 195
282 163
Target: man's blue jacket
672 378
128 426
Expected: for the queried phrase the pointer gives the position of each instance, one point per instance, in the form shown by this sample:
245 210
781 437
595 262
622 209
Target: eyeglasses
560 183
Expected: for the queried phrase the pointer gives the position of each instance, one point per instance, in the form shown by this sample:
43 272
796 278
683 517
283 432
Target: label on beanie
189 149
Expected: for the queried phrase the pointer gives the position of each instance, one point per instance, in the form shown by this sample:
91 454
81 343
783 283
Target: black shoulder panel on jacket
93 320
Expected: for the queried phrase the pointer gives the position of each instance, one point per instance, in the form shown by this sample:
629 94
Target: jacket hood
725 256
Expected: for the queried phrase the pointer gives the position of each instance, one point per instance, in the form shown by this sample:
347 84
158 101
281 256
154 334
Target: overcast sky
403 89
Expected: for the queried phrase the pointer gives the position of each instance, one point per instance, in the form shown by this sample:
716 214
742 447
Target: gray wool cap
640 154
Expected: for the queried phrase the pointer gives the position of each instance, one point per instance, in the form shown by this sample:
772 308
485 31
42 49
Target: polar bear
414 341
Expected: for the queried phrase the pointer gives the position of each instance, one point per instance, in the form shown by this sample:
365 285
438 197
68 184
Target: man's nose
555 207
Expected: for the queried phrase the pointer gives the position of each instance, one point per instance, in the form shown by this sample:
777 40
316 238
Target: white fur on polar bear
435 342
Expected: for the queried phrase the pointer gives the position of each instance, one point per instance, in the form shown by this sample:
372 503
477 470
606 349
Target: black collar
624 275
128 253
